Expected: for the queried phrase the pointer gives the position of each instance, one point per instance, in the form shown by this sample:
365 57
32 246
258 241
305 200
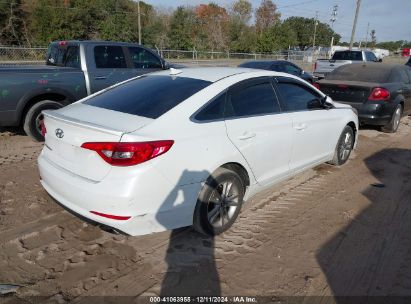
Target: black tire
393 125
206 219
344 147
33 116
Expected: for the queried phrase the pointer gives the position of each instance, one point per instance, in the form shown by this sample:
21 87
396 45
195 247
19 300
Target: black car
381 93
279 66
409 62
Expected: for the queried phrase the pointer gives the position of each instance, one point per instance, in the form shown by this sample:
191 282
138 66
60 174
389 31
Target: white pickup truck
324 66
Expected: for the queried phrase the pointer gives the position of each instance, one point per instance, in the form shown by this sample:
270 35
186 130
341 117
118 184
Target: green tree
241 36
278 37
13 30
181 28
304 30
266 16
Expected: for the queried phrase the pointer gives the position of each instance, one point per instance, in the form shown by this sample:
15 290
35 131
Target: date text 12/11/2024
176 299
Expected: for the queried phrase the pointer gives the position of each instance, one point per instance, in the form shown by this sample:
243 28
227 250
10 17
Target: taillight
317 85
379 94
43 128
129 153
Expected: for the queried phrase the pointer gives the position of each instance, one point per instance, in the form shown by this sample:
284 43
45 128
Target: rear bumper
373 113
152 202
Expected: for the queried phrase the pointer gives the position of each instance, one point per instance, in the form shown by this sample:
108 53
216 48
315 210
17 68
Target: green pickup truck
73 70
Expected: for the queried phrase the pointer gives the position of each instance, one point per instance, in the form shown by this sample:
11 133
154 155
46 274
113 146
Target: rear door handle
100 77
246 135
302 126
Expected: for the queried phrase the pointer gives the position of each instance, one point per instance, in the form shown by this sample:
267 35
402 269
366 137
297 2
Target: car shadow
191 267
371 257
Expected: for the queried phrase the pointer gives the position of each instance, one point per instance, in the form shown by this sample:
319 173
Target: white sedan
187 147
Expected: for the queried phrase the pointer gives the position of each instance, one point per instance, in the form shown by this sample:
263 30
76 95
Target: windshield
347 55
63 56
148 96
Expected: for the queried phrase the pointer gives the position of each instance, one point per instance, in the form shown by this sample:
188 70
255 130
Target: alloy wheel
223 203
346 146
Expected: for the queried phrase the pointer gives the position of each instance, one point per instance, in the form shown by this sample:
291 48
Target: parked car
324 66
381 93
279 66
187 147
73 70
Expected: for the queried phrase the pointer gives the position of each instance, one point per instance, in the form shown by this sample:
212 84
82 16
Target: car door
110 67
143 61
315 129
256 126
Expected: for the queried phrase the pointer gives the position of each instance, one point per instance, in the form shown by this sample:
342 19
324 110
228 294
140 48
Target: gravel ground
327 232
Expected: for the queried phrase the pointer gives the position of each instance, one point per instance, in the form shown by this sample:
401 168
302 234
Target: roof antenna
174 71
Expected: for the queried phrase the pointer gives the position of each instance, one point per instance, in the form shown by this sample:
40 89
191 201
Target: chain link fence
10 55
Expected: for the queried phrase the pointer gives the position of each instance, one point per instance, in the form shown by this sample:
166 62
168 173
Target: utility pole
315 28
139 22
332 20
357 10
366 36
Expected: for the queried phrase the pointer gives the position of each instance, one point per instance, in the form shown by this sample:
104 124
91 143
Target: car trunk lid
70 127
350 92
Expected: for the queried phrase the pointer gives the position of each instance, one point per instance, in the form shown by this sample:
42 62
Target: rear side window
256 99
148 96
63 56
296 97
143 59
291 69
213 110
72 57
109 57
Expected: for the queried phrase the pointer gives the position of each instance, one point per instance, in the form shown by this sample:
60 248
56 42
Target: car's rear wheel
344 147
393 125
34 117
219 202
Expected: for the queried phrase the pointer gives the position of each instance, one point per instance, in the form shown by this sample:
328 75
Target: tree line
236 28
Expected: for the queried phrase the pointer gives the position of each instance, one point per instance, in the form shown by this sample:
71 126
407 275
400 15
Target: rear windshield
361 72
347 56
63 56
148 96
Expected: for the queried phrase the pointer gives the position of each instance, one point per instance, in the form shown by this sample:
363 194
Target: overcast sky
391 19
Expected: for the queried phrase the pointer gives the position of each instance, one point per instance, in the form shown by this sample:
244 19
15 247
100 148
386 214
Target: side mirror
325 104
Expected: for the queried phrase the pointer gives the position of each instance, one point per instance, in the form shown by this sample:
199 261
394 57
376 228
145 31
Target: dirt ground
328 232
